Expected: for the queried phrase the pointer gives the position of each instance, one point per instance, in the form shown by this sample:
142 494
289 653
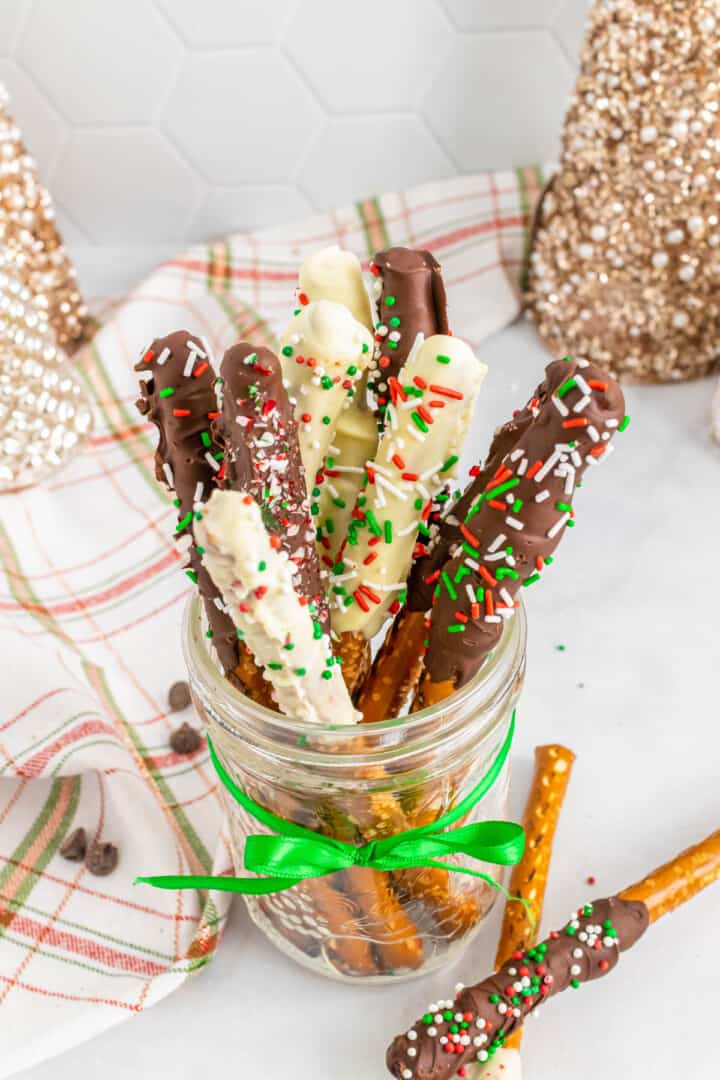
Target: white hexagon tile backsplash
160 122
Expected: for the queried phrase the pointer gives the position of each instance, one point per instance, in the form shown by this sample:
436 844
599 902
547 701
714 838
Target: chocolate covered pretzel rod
335 274
513 528
470 1028
177 387
410 296
397 668
325 352
251 573
262 456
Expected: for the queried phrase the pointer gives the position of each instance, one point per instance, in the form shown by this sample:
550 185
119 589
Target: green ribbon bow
295 853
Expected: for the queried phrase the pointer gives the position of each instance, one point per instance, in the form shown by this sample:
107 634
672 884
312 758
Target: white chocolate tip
505 1065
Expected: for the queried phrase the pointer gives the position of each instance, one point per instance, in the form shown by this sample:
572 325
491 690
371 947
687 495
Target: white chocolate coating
354 443
422 435
254 580
505 1065
324 353
336 274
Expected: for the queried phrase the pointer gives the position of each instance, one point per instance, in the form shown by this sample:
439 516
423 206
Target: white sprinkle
575 969
470 593
542 496
473 565
412 1052
522 467
407 1074
168 475
493 618
593 433
432 1032
514 523
416 434
497 542
578 954
612 423
581 404
348 469
215 465
517 452
505 595
555 529
145 376
483 1055
560 405
199 491
412 1034
549 464
408 529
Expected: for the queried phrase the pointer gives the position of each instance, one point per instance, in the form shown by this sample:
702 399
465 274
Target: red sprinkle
533 469
487 576
201 369
420 383
149 355
446 391
579 421
268 407
472 540
302 297
398 462
181 412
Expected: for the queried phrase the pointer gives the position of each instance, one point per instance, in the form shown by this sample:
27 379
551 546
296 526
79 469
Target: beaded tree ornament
44 413
625 267
27 224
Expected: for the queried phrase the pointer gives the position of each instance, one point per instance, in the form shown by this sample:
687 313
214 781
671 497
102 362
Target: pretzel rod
354 653
398 666
177 387
253 578
410 296
354 444
553 766
513 529
262 456
470 1028
418 451
335 274
325 351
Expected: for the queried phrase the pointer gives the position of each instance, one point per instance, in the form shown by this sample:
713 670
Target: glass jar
359 784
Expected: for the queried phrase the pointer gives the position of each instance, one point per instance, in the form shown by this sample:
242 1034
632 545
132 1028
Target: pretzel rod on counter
528 881
470 1028
512 530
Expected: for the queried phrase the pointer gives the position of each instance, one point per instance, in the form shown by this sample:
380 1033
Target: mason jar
363 783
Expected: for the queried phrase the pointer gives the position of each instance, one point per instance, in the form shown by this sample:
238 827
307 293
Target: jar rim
482 692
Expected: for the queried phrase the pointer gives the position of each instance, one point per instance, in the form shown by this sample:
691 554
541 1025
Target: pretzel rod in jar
513 529
469 1028
177 387
397 668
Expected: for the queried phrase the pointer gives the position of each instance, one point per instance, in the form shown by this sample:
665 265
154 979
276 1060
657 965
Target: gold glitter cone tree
625 267
27 224
44 414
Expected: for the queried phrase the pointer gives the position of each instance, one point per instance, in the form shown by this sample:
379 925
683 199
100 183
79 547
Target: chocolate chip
185 740
179 696
74 846
101 858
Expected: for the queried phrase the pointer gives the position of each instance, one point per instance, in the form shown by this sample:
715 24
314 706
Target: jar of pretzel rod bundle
335 827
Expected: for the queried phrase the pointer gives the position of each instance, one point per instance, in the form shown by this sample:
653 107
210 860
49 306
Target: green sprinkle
373 524
560 648
337 501
287 350
183 524
517 506
302 741
240 633
549 560
419 422
205 437
571 523
262 565
167 392
192 575
565 507
352 370
326 419
574 983
494 998
275 667
449 463
567 385
588 910
326 382
394 321
623 423
449 586
177 503
570 931
390 301
200 550
330 526
300 671
317 631
462 572
447 1015
442 359
418 504
454 1029
388 532
456 628
365 348
314 509
289 645
326 675
480 593
208 633
531 580
427 1019
506 571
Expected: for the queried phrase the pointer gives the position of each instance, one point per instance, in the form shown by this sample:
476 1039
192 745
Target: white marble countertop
634 600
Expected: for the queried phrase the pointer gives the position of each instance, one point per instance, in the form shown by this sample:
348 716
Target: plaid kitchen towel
90 609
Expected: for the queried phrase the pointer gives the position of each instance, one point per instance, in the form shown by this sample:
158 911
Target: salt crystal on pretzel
256 585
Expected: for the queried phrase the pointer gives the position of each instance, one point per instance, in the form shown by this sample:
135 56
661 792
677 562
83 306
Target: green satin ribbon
295 853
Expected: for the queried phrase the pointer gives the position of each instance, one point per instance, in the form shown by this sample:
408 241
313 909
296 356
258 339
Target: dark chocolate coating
543 972
414 280
185 445
446 535
262 455
456 655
